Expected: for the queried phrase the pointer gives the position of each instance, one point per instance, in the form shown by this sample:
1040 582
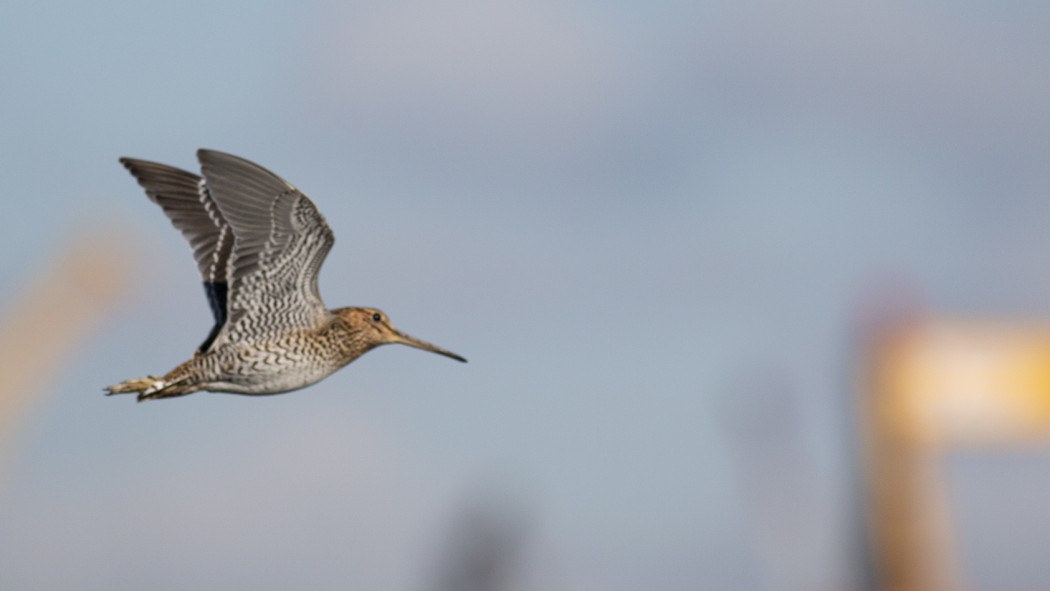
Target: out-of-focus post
54 311
931 387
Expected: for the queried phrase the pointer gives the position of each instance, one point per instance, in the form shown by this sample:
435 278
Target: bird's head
375 328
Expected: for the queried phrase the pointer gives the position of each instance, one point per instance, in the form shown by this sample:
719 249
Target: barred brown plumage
259 243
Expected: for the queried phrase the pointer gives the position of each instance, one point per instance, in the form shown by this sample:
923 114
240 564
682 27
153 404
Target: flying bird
259 243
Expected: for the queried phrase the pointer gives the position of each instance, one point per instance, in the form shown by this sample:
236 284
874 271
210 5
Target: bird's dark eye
377 317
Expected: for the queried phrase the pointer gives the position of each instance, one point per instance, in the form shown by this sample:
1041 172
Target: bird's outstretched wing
188 204
280 241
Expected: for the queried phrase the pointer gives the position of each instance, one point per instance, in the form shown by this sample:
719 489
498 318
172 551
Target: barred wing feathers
188 204
280 242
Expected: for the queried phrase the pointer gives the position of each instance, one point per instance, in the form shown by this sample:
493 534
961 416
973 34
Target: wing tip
218 166
209 155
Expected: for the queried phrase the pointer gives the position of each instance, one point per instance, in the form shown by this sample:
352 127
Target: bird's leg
177 382
148 384
152 388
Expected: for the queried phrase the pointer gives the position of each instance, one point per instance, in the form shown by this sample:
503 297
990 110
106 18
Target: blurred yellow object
968 382
53 312
933 386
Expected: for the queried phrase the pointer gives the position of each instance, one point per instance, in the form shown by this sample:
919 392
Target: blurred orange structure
53 312
929 387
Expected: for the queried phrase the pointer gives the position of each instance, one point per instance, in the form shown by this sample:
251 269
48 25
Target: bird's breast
270 366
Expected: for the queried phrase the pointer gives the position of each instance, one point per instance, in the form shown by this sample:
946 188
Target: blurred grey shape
776 482
484 550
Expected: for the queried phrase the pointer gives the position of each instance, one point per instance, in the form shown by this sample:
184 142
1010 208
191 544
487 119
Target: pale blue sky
618 212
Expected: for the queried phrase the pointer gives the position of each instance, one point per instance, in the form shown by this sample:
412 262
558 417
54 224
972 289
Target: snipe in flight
259 243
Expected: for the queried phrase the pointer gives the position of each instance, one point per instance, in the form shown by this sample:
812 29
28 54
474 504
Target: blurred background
704 258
